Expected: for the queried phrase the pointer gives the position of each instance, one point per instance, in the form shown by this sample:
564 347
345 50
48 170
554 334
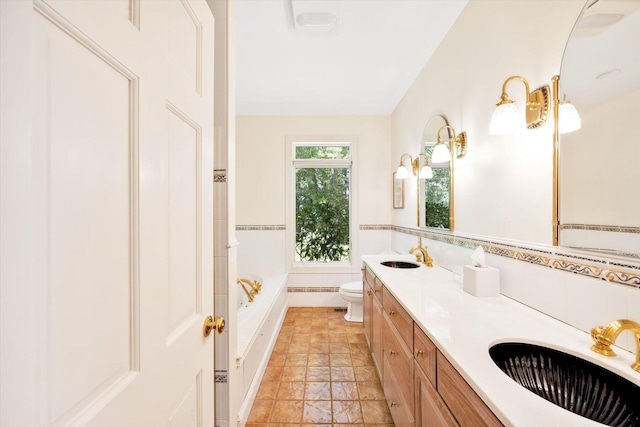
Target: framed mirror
598 191
435 195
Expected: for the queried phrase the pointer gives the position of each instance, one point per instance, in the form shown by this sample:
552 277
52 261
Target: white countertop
464 327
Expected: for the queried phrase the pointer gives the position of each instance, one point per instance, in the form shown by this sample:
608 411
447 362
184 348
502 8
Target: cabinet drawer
430 411
369 276
425 352
401 412
465 404
399 317
400 359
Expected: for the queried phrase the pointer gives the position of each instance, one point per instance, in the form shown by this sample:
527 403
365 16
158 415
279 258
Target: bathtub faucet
250 293
254 284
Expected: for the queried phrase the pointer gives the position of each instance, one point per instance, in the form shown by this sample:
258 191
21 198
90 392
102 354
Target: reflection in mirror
435 195
599 195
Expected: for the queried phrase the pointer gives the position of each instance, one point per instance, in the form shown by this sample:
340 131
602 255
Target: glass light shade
426 172
402 172
506 119
568 118
440 154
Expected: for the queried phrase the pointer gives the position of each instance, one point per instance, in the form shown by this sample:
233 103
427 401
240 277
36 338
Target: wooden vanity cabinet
421 386
372 317
466 406
367 309
430 409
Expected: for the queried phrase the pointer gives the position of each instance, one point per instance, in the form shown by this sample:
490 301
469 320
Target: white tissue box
481 281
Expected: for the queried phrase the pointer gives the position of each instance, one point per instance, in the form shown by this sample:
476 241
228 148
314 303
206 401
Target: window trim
293 266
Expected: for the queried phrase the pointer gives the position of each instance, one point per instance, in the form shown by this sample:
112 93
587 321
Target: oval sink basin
399 264
570 382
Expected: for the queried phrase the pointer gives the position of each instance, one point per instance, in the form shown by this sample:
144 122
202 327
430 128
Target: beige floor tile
296 338
317 411
287 411
339 347
296 359
347 411
272 373
340 359
261 411
318 373
342 373
318 359
370 390
376 411
339 338
277 359
319 347
293 390
317 391
366 373
267 390
344 391
301 347
293 373
361 359
319 337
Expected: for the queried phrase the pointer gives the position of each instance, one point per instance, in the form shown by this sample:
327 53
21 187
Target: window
322 203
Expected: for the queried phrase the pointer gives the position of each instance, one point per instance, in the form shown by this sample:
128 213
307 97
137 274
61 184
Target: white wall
261 168
503 187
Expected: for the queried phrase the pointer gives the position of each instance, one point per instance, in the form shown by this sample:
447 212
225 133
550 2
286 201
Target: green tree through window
323 186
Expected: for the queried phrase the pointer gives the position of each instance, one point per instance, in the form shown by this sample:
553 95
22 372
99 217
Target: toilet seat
352 288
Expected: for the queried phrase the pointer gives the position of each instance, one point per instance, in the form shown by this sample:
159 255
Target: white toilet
351 292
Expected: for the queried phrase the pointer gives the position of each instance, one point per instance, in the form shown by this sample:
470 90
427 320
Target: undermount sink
570 382
399 264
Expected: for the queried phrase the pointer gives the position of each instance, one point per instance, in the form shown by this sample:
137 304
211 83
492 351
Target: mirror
435 195
599 195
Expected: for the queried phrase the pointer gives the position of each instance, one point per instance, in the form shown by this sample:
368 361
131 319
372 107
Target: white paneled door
106 215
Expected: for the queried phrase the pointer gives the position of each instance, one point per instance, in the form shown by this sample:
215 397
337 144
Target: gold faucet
250 293
605 336
255 285
422 253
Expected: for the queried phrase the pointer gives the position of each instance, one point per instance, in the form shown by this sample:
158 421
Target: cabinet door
430 410
464 403
376 334
367 311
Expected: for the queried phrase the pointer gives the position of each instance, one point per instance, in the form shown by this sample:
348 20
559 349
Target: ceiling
363 66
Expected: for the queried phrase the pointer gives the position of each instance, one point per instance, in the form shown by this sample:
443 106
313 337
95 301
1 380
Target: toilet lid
352 287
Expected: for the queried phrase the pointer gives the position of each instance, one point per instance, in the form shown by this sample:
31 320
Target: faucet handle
602 345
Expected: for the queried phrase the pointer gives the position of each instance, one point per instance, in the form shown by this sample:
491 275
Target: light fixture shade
402 172
568 118
440 154
426 172
506 119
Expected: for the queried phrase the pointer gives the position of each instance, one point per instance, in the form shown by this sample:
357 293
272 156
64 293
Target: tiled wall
583 290
580 290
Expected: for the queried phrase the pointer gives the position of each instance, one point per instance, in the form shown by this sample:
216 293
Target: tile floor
320 373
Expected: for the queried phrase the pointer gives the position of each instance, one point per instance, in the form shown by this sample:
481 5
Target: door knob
210 324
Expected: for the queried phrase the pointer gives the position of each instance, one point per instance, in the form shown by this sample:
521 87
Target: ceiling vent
316 16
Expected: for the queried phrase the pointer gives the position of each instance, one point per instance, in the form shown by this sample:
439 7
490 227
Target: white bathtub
258 326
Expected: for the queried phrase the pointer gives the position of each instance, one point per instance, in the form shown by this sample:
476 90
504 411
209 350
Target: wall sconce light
568 117
425 171
442 154
506 117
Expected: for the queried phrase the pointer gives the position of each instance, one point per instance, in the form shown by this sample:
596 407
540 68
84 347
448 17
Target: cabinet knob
420 352
369 292
391 313
392 353
392 404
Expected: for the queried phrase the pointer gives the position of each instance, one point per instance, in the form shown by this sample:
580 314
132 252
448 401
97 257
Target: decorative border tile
295 290
221 376
219 175
556 258
260 227
609 228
